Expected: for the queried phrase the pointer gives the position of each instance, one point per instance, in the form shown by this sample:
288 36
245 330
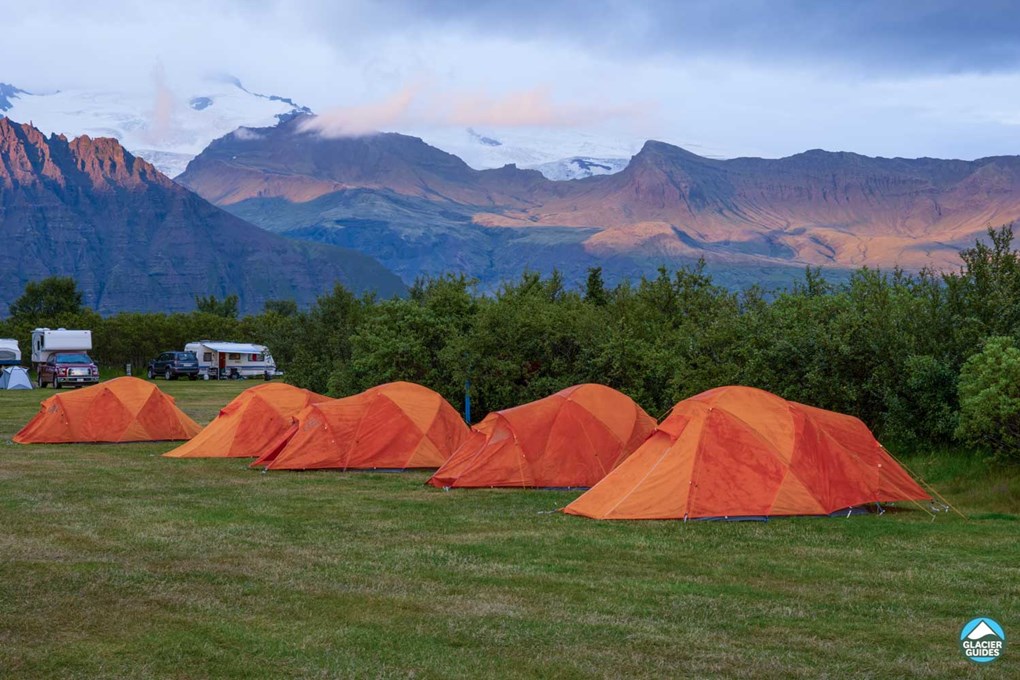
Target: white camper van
10 352
46 341
219 360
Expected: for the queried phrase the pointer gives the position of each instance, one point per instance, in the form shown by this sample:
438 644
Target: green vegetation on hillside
887 347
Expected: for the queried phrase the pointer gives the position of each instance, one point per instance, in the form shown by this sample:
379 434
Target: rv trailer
46 341
10 352
221 360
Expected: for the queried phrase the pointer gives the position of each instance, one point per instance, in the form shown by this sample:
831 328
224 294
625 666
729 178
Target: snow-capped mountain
556 153
167 124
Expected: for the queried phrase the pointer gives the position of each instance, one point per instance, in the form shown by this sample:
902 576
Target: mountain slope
133 239
816 207
286 162
384 193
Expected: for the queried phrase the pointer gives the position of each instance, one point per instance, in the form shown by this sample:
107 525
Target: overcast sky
722 77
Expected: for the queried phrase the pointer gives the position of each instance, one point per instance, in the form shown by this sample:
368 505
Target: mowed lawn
116 562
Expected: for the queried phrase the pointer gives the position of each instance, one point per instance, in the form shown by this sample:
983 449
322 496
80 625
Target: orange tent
121 410
394 426
245 425
570 439
742 452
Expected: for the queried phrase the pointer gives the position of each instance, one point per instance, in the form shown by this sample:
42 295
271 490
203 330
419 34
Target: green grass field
115 562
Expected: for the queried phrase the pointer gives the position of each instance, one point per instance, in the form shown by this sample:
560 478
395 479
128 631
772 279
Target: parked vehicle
67 368
46 341
221 360
173 365
10 352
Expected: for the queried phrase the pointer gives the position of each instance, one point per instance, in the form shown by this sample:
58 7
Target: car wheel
167 375
39 381
56 383
151 373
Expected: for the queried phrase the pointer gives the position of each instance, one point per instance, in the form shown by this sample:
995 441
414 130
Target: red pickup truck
68 368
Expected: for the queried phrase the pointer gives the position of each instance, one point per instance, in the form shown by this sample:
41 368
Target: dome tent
244 426
570 439
120 410
396 426
14 378
736 452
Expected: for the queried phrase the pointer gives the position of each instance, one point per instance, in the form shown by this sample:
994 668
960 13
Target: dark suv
172 365
68 368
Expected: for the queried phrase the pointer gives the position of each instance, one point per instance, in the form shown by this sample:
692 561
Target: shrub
990 398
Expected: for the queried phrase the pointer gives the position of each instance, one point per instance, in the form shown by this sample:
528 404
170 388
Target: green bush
990 398
888 347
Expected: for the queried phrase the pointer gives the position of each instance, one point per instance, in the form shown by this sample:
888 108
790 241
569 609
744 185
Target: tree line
927 360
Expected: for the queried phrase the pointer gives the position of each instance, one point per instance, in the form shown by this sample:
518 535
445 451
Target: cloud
245 134
887 36
738 77
161 117
418 105
525 108
352 121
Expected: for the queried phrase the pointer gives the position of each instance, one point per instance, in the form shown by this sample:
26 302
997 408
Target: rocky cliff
133 239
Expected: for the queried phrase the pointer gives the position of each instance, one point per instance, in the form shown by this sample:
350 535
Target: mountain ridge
667 206
134 239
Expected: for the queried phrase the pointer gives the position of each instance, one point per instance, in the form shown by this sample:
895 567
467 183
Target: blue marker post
467 401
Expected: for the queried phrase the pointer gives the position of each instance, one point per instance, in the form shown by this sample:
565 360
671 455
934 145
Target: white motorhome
219 360
46 341
10 352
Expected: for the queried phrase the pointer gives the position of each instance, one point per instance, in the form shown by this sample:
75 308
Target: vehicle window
233 356
207 356
188 356
73 359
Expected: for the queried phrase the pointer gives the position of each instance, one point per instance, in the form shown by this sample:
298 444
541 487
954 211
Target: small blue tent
14 378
